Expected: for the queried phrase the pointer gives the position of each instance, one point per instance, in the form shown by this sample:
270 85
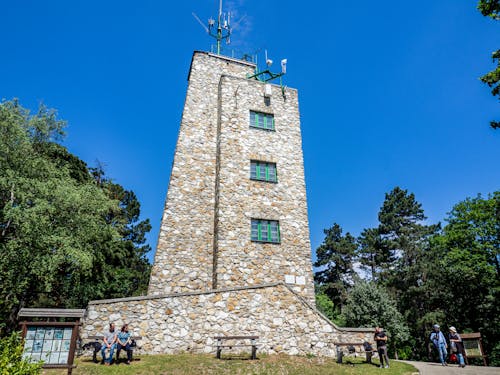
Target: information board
50 344
472 348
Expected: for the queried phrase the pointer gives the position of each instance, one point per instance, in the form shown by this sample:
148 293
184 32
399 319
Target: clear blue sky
389 92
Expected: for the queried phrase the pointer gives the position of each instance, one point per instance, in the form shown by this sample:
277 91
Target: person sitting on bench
109 344
124 341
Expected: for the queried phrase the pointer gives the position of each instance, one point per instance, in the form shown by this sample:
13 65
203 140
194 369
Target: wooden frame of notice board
473 346
48 339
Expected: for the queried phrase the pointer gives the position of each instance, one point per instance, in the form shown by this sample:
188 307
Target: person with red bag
457 346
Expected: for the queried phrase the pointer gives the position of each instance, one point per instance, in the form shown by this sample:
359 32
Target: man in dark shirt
381 339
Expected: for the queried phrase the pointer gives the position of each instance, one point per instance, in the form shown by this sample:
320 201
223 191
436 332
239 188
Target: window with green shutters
265 231
261 120
263 171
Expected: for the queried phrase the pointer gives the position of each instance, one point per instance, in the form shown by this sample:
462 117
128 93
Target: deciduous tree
369 305
468 254
64 239
491 8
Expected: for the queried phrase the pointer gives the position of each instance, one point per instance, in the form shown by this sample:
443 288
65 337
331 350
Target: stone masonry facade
204 241
188 322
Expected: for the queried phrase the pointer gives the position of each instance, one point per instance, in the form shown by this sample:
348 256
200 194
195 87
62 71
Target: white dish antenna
269 62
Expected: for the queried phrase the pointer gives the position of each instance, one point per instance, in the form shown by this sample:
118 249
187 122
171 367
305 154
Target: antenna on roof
219 29
267 75
269 62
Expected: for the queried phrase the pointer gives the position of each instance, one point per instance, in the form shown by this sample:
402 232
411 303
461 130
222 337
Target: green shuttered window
265 231
263 171
261 120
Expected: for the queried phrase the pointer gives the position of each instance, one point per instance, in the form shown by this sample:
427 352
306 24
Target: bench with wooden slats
239 339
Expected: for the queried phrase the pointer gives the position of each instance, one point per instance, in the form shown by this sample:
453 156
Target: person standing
440 344
456 341
123 341
109 344
381 339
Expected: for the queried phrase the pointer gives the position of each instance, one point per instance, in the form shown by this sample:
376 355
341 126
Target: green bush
325 305
405 352
11 357
494 357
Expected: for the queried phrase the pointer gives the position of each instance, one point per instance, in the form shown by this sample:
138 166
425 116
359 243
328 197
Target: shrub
11 357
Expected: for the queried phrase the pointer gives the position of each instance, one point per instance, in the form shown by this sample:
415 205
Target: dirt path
428 368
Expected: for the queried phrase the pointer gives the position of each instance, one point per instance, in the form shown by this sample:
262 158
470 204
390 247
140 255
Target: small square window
261 120
263 171
265 231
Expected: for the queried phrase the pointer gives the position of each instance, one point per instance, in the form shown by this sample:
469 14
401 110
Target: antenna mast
223 27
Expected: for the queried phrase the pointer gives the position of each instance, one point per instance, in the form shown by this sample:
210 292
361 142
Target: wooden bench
361 345
220 344
97 348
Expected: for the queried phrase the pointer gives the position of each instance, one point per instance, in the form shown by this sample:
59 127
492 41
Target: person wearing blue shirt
123 342
440 344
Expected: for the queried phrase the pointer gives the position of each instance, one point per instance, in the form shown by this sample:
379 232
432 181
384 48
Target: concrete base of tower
188 322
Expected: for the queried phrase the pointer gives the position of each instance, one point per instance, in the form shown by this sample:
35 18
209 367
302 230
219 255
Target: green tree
398 256
373 253
402 232
369 305
491 8
130 266
335 258
325 305
59 243
401 228
468 254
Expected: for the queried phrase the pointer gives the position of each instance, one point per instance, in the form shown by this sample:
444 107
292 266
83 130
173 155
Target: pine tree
335 259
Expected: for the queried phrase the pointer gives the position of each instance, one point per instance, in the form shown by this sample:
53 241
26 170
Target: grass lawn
191 364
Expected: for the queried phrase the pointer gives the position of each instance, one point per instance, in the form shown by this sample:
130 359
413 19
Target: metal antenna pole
219 28
223 27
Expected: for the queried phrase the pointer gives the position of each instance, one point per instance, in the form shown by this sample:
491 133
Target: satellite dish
269 62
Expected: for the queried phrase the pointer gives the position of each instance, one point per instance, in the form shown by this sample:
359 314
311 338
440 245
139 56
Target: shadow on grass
88 360
359 364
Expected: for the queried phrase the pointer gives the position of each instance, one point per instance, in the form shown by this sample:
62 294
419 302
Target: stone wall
184 255
239 260
187 322
204 241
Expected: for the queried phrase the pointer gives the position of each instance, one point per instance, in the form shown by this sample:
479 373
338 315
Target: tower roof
221 57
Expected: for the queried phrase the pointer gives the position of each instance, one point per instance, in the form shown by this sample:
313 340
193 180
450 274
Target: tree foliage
64 239
401 228
373 253
491 8
468 254
428 274
369 305
325 305
335 258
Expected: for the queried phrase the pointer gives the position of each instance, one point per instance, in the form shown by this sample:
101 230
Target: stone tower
236 208
233 254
